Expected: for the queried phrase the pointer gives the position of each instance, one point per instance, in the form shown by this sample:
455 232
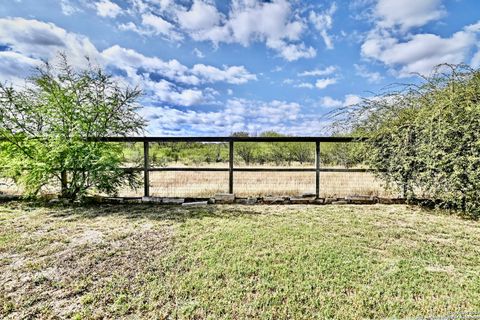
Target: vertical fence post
317 169
230 167
146 168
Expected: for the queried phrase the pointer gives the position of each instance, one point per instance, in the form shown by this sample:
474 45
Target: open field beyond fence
236 262
207 184
245 166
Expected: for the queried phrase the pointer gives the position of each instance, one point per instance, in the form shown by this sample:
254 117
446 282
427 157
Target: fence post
317 169
146 168
230 167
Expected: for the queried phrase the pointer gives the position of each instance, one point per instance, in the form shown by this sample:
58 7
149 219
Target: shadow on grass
138 211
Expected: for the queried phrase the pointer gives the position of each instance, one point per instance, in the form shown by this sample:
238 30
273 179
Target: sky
211 68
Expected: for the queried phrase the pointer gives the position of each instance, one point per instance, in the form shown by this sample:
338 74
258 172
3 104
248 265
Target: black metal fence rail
231 139
231 167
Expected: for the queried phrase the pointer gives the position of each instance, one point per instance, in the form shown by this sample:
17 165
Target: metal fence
317 169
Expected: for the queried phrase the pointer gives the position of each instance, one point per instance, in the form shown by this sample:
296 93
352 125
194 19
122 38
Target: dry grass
200 184
9 187
205 184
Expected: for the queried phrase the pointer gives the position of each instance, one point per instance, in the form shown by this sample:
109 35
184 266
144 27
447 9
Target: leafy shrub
425 139
50 130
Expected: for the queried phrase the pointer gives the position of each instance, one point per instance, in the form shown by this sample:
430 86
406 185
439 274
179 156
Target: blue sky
215 67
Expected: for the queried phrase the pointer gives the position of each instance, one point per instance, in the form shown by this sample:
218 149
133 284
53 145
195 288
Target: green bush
425 139
49 130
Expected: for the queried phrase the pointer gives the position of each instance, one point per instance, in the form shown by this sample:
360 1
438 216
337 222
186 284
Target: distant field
201 184
236 262
204 184
198 184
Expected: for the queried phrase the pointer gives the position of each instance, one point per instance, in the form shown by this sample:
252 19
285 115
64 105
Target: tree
50 129
245 150
301 152
276 152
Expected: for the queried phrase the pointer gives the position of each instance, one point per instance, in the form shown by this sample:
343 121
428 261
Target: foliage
301 152
278 153
50 129
244 150
425 139
341 154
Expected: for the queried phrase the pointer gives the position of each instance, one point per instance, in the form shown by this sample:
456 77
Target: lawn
236 262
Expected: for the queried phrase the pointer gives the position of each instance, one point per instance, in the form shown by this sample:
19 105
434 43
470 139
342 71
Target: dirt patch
437 268
80 260
88 237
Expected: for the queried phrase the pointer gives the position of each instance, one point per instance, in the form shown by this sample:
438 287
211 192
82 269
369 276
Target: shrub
425 139
50 129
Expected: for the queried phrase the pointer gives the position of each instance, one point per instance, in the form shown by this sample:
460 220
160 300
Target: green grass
233 262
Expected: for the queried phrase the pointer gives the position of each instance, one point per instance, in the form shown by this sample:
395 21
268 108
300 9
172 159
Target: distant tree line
246 153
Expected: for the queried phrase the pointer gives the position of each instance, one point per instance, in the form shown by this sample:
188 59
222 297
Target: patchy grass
236 262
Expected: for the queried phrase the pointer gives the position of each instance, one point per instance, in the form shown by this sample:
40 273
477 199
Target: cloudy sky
215 67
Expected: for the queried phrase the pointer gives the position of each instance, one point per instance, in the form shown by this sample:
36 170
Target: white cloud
130 26
372 77
306 85
351 99
323 83
252 20
187 97
199 73
420 52
406 14
198 53
40 40
107 8
15 67
201 16
348 100
167 92
158 26
68 8
239 115
277 69
393 43
233 75
291 52
271 22
329 102
318 72
323 23
139 71
143 6
128 59
30 41
274 23
476 59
